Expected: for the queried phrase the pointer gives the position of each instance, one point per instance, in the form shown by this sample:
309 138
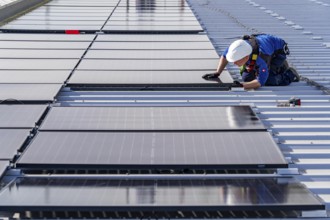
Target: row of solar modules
108 16
149 138
34 67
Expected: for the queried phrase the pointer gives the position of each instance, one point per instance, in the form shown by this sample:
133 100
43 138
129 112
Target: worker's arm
254 84
222 64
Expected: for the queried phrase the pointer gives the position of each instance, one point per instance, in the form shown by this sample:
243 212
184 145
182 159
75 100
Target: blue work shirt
268 44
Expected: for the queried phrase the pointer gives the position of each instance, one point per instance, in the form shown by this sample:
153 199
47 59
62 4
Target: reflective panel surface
33 76
152 118
141 150
156 195
20 116
10 141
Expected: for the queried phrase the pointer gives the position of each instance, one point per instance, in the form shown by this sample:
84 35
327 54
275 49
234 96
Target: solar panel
152 37
146 78
3 166
38 64
153 45
35 54
45 37
229 118
29 92
11 140
44 45
141 150
107 64
50 28
145 28
20 116
71 194
151 54
35 76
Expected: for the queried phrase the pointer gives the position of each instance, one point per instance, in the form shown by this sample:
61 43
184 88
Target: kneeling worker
262 60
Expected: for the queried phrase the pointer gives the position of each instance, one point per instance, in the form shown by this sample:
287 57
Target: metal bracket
314 214
288 171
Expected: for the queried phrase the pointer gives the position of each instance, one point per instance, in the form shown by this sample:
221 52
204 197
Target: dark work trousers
279 75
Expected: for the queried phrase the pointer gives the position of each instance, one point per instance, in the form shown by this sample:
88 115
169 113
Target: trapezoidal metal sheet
29 92
20 116
164 195
11 140
228 118
150 150
173 65
168 78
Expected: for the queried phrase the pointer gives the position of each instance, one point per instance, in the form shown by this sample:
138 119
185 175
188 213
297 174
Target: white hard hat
238 50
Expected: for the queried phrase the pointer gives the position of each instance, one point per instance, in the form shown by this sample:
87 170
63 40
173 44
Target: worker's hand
237 84
211 76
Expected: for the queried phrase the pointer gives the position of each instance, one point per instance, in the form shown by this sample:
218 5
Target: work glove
237 84
211 76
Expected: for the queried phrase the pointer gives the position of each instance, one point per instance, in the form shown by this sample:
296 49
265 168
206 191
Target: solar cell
20 116
229 118
50 28
157 195
107 64
156 27
29 92
35 76
146 78
11 140
149 150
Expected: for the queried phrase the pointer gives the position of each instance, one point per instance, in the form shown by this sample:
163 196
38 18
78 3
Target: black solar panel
147 78
229 118
157 195
20 116
11 140
203 150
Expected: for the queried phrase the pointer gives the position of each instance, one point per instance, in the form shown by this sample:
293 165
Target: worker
262 61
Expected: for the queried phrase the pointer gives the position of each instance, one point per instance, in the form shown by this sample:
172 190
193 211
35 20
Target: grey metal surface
141 150
28 92
33 76
152 118
106 64
38 64
20 116
147 78
157 195
11 140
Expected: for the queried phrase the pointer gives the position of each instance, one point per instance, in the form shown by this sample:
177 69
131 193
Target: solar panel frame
11 141
206 118
70 194
20 116
150 150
